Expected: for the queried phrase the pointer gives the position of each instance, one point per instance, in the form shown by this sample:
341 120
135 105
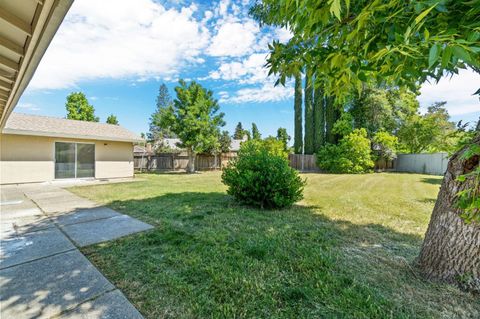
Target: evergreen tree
283 137
298 136
225 141
319 120
332 114
78 108
164 100
239 132
309 129
255 132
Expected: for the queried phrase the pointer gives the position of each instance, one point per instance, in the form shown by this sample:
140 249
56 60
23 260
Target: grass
345 251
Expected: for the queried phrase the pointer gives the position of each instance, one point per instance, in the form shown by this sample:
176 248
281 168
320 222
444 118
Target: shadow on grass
433 181
210 257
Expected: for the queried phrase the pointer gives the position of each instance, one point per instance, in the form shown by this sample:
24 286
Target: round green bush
262 179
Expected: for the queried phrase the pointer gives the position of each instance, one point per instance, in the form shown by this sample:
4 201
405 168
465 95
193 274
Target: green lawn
345 251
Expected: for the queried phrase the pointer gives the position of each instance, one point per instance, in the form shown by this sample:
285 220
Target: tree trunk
191 161
298 137
451 249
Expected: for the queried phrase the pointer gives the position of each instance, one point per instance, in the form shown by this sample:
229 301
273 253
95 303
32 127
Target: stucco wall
25 159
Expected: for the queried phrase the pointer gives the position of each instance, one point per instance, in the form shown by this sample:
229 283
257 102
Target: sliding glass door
74 160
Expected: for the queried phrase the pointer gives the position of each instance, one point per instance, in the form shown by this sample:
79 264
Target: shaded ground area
42 273
345 251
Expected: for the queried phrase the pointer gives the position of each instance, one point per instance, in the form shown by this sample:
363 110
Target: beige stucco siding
25 159
113 159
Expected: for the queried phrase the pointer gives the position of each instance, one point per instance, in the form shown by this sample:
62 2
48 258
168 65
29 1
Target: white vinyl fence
433 164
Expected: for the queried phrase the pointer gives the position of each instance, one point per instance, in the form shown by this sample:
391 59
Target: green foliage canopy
351 155
397 42
112 119
78 108
283 137
194 117
255 132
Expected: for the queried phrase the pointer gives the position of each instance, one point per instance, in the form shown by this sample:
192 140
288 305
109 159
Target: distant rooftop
36 125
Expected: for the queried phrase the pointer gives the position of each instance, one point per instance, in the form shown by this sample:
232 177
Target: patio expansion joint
40 258
84 221
54 223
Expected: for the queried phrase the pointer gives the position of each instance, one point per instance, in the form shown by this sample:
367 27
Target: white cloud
247 71
266 93
234 39
28 107
456 91
121 39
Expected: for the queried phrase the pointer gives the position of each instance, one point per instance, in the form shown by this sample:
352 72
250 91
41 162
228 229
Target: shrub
385 145
351 155
262 178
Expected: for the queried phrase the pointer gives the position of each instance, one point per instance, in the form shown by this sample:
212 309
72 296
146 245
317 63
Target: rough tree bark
451 249
191 161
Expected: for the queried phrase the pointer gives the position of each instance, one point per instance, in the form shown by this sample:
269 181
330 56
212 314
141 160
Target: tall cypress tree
332 114
239 132
319 119
298 136
309 129
255 132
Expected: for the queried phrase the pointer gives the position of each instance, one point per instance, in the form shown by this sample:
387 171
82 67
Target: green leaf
335 8
426 34
362 77
433 55
422 15
447 54
461 53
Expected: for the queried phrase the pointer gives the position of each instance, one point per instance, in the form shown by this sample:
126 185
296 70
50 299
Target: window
74 160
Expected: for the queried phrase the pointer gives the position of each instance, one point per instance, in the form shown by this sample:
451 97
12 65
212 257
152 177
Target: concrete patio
42 272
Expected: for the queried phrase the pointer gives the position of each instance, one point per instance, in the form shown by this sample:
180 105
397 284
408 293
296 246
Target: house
140 150
40 148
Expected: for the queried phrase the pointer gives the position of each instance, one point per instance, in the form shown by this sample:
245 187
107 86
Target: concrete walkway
42 273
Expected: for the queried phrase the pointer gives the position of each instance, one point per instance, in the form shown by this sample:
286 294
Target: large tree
309 120
164 100
195 118
382 108
78 108
298 135
397 43
431 132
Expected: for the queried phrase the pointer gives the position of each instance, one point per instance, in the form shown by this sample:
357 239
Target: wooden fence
205 162
303 162
179 161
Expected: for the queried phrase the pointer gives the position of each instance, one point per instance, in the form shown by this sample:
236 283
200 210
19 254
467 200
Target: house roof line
35 125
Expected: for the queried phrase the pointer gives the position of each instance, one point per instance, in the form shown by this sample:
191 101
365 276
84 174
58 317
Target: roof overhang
26 29
72 136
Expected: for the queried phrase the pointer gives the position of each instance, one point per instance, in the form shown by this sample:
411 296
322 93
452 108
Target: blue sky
118 52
